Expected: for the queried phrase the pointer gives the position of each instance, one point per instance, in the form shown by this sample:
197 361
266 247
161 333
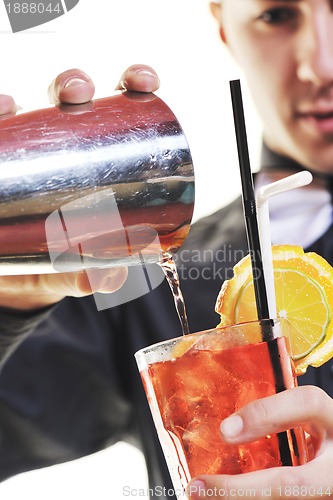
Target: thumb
84 282
101 280
40 290
312 480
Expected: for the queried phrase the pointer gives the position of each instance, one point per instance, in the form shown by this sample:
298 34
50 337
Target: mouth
322 116
318 120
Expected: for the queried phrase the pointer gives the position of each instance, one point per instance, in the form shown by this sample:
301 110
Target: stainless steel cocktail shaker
102 184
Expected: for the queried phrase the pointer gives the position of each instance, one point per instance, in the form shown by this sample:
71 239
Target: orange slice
183 345
304 297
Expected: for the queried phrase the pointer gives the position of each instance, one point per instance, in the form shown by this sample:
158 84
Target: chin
313 150
318 161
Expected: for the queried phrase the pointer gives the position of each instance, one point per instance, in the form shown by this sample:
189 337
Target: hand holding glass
194 382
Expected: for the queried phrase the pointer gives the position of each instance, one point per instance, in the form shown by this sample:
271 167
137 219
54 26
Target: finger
101 280
36 291
71 87
307 406
84 282
139 78
7 105
307 481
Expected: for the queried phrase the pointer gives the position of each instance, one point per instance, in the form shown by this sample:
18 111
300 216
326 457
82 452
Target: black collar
272 160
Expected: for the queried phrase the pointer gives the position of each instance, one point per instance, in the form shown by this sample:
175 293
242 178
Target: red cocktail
193 383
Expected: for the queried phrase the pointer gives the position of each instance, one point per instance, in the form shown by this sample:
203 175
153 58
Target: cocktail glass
194 382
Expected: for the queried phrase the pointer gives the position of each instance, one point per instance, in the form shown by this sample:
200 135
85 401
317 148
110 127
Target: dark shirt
72 386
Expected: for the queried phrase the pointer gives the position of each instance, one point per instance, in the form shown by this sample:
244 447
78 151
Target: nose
315 62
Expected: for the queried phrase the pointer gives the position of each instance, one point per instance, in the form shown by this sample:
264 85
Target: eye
278 15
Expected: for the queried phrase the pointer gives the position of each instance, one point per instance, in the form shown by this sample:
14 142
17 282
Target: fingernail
141 71
196 489
232 426
7 105
74 82
126 77
113 281
107 285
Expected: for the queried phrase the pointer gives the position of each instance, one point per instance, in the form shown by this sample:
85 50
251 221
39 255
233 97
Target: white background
180 40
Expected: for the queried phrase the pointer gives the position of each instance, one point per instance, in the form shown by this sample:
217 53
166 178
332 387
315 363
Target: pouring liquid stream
169 268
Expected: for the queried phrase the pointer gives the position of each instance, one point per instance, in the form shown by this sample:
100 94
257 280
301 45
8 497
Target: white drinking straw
264 193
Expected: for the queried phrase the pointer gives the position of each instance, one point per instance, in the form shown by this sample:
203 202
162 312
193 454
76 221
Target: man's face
285 48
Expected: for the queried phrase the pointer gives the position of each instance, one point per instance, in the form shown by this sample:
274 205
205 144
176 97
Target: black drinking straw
249 205
250 214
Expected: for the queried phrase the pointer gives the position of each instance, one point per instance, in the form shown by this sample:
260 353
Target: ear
216 10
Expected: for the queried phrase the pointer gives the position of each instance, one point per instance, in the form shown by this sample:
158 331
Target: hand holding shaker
101 184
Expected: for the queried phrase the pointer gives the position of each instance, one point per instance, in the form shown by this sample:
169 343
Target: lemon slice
304 296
